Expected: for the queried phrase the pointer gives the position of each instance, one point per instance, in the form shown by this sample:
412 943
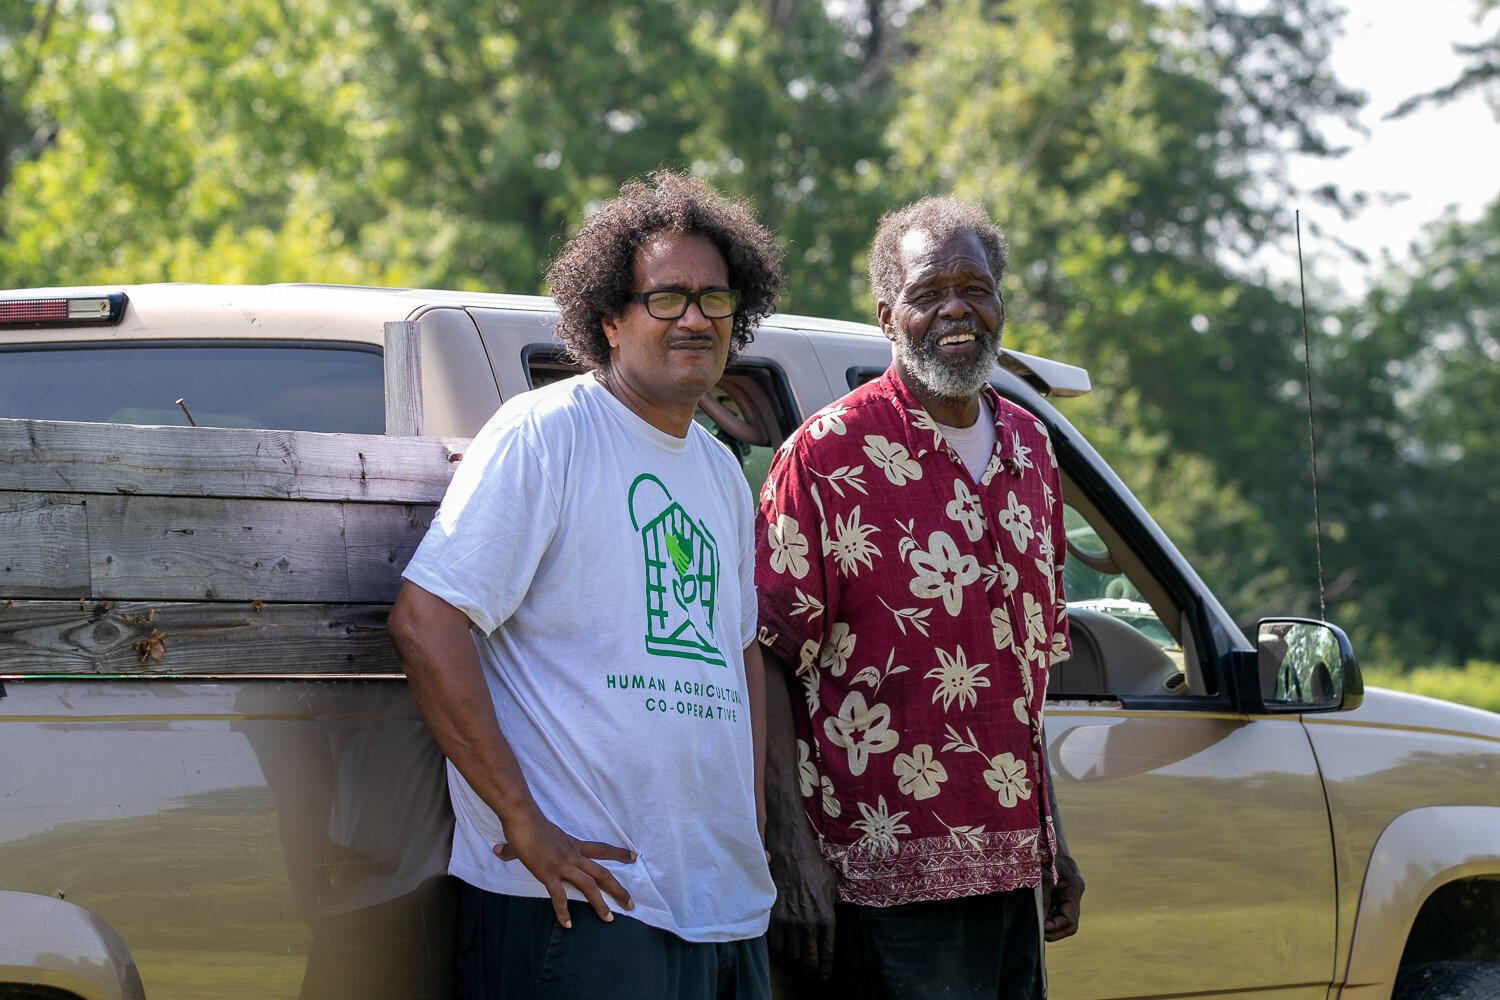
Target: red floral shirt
921 611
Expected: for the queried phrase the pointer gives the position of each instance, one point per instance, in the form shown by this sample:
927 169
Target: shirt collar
922 433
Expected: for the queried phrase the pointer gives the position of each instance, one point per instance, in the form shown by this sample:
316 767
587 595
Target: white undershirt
976 442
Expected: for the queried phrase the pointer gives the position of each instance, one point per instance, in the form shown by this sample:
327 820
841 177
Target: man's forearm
1063 897
755 694
783 801
802 918
447 684
788 831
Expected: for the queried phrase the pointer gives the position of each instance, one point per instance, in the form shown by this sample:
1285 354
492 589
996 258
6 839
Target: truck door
1202 834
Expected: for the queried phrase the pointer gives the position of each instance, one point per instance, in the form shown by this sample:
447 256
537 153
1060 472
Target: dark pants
979 948
513 948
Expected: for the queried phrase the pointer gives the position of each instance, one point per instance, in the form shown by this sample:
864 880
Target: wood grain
403 377
178 550
43 545
116 637
62 457
213 549
379 540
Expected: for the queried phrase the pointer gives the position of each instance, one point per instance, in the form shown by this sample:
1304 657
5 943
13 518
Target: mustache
944 327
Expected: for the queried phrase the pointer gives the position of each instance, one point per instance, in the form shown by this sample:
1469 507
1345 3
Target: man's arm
755 694
447 683
1063 898
802 918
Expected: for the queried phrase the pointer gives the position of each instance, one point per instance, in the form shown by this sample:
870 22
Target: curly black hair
941 219
593 275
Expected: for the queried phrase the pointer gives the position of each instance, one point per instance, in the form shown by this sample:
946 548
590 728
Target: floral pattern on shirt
920 775
860 729
921 627
788 547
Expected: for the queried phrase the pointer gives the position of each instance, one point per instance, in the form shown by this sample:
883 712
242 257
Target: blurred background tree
1136 152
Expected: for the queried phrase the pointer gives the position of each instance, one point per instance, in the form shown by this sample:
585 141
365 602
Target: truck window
750 410
280 385
739 414
1121 644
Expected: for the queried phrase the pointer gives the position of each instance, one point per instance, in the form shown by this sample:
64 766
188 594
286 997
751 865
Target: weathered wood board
57 456
378 543
171 550
160 639
204 548
43 545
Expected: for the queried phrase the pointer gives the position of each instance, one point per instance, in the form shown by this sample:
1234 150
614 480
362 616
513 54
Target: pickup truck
217 786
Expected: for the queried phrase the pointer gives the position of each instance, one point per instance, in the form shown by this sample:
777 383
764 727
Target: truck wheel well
12 991
1459 922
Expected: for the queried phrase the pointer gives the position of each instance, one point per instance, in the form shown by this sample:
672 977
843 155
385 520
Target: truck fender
1417 853
52 943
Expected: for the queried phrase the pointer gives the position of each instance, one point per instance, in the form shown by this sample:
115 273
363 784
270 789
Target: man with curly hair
578 630
911 811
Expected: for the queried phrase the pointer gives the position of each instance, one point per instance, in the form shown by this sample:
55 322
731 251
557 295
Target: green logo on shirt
682 574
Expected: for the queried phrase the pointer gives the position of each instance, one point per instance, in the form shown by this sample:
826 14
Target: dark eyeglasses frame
688 298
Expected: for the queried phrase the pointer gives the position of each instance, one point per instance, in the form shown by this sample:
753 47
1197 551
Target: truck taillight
81 310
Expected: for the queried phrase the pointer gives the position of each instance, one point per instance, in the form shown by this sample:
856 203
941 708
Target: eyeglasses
716 303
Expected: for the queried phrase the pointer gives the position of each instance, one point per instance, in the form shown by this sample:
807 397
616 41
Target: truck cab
207 494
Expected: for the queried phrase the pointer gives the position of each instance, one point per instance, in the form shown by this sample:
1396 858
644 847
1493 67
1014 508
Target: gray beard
952 381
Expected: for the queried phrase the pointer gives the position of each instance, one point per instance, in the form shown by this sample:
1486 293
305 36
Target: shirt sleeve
496 522
796 607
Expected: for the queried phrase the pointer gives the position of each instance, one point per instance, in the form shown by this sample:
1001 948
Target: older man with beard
909 567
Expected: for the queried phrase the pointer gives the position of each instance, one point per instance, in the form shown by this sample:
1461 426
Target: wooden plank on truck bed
153 551
213 549
63 457
205 548
43 545
157 639
216 549
379 540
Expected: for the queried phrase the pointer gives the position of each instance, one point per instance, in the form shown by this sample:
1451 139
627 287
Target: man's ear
883 317
611 325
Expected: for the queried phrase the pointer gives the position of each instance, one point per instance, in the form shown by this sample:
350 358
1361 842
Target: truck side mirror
1304 665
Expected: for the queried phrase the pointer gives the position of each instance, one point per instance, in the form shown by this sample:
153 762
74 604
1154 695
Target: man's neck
673 420
949 412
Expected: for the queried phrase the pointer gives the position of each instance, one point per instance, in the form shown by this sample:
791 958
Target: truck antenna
1312 434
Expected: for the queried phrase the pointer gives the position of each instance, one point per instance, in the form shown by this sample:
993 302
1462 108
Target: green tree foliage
23 34
1120 142
189 145
1133 150
1411 376
1476 683
1413 454
504 121
437 143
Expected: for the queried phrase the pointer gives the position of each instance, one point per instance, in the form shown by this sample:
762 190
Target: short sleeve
494 526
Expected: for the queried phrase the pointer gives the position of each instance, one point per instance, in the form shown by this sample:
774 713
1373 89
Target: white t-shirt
610 568
976 442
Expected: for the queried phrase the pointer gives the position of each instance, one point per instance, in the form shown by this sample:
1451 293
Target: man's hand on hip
553 858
